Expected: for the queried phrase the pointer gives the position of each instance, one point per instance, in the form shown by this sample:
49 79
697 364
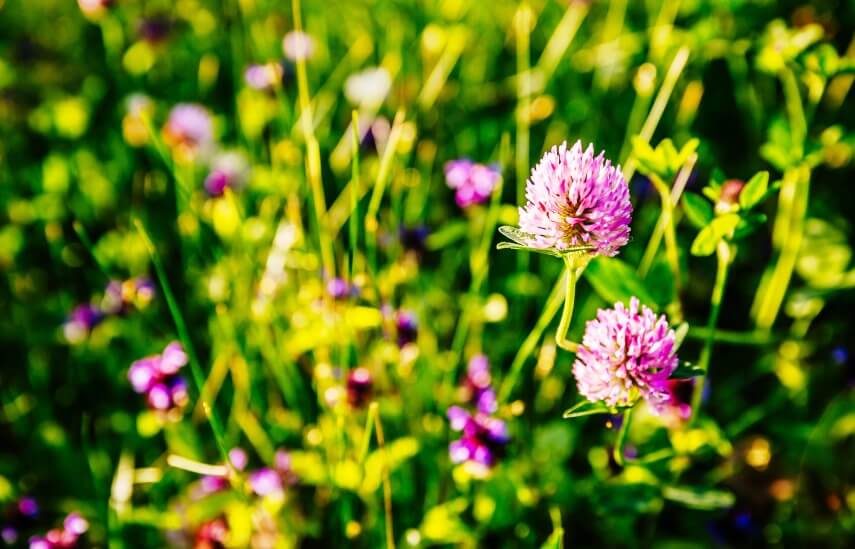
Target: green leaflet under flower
523 241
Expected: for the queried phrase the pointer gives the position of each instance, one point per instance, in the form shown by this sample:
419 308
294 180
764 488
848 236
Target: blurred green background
89 174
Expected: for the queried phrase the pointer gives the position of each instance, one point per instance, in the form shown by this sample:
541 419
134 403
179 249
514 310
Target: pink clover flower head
626 353
576 199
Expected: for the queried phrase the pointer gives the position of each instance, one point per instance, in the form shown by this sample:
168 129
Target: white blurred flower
298 45
369 87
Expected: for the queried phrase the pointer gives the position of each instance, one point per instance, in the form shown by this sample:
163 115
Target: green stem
184 335
671 250
788 234
724 258
569 299
621 438
731 337
795 111
353 189
550 309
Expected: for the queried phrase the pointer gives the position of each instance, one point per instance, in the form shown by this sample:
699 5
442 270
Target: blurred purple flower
67 537
339 288
406 327
189 128
266 482
264 76
483 437
478 385
473 183
122 296
626 353
81 321
678 404
229 170
157 377
576 199
155 29
359 385
413 238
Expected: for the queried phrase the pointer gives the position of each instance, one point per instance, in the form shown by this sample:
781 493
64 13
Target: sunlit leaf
754 191
698 210
587 408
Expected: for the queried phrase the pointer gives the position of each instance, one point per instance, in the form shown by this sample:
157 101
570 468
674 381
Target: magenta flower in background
189 128
157 378
678 404
626 353
122 296
213 533
576 199
482 441
67 537
229 170
155 29
359 385
266 482
80 322
406 327
478 385
263 77
339 288
472 183
272 481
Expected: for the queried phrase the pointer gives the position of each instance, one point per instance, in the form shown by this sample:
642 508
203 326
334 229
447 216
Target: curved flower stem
569 300
621 438
724 255
547 313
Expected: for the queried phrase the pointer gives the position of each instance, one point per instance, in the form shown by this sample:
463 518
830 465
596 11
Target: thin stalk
672 252
313 155
656 238
659 104
353 223
617 452
724 257
366 436
569 298
90 247
184 336
795 110
387 483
